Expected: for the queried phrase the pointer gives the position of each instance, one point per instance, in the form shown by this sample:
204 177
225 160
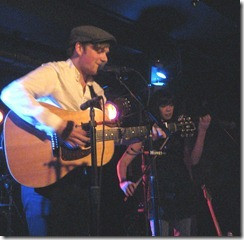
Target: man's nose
104 57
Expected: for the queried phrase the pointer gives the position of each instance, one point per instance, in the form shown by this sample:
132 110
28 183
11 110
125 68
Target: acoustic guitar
36 159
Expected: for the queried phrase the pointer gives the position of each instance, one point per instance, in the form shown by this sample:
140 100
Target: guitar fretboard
122 133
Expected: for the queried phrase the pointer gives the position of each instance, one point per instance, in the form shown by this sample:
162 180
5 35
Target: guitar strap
93 94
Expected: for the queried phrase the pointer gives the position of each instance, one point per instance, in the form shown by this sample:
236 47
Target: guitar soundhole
70 153
74 154
86 127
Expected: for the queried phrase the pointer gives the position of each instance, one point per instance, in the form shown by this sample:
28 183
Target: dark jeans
59 210
37 210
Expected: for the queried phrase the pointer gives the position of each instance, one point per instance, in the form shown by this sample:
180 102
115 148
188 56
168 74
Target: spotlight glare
161 75
158 84
1 116
111 110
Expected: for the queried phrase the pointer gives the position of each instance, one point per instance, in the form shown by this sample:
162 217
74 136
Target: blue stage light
161 75
158 77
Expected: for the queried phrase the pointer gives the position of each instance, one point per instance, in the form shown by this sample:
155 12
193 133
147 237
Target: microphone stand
153 191
95 189
153 180
217 122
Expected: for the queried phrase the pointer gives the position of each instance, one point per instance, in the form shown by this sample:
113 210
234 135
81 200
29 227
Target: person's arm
132 151
21 97
193 156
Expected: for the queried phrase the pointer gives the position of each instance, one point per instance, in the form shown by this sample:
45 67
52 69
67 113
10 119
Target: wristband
68 129
133 153
122 181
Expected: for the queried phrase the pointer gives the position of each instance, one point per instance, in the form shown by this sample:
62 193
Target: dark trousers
62 209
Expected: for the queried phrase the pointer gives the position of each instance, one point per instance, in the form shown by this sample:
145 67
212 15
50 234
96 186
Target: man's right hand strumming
73 135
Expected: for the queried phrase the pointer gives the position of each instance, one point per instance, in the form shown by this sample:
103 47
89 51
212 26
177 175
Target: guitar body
30 157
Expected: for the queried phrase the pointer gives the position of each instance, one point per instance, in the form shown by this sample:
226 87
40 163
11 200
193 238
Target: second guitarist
174 187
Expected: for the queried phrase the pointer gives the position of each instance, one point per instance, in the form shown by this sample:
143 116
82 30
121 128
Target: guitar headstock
186 126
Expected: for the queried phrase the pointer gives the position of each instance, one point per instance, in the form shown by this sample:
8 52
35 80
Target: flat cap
90 34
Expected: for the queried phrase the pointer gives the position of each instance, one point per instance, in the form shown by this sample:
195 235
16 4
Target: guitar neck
120 133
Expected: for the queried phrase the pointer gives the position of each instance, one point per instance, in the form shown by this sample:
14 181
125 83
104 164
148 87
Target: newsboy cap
90 34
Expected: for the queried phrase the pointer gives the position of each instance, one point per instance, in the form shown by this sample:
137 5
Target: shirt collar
77 73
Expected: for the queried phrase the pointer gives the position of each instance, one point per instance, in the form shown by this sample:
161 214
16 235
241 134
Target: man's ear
78 48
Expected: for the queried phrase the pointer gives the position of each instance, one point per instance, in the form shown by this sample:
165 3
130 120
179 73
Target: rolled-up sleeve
21 96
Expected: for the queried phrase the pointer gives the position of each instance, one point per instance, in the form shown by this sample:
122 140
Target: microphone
115 69
90 103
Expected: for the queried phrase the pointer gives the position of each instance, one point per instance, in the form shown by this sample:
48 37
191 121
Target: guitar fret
109 134
122 133
135 132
